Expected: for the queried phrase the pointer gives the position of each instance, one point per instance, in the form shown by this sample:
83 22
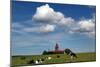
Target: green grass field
23 60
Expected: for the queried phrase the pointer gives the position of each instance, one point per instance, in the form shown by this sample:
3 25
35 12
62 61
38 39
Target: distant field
63 58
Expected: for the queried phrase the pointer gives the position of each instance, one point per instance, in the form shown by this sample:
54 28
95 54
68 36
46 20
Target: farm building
56 51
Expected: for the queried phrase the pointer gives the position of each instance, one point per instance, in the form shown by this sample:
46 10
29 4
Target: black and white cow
72 55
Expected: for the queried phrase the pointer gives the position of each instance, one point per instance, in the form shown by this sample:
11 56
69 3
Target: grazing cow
37 62
40 61
31 62
72 55
49 58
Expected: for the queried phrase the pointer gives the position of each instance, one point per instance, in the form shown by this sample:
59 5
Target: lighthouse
56 47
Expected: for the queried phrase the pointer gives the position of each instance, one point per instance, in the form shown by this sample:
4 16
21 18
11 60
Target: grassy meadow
56 58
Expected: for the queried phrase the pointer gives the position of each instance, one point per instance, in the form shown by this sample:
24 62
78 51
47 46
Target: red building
56 51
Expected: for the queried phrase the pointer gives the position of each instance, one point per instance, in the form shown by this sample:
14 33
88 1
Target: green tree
45 52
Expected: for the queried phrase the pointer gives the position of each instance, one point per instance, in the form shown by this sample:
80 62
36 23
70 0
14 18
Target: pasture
56 58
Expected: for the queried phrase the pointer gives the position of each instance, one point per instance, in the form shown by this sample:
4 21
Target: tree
67 51
45 52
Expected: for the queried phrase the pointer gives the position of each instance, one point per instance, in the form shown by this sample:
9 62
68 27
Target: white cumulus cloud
41 29
46 20
46 14
47 28
86 27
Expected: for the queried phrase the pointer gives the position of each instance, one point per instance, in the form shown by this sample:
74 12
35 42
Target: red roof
57 51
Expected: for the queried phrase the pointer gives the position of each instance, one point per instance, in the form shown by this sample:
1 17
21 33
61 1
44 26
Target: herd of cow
40 61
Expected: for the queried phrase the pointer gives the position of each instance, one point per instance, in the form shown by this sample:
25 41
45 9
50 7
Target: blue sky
39 26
